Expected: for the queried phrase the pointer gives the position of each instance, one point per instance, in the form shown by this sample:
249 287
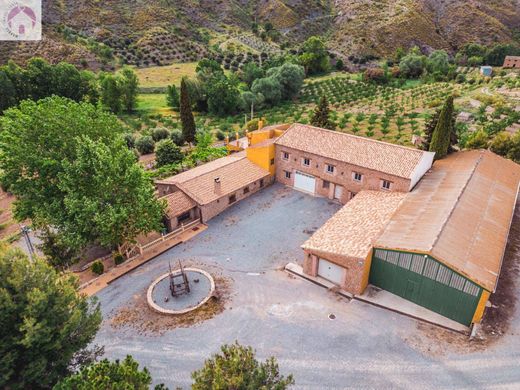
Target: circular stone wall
160 299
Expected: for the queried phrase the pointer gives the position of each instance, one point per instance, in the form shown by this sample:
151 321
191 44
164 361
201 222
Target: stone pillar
310 264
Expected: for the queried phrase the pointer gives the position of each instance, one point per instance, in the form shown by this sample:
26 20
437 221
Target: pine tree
188 123
320 118
441 138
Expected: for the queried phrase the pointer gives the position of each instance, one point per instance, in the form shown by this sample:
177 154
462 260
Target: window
306 161
330 168
232 198
272 161
183 217
246 190
326 184
385 184
285 155
287 174
261 183
357 176
352 194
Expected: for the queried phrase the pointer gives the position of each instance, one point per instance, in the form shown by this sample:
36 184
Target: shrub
145 145
97 267
130 140
375 74
168 153
252 125
221 136
177 137
478 140
119 258
160 133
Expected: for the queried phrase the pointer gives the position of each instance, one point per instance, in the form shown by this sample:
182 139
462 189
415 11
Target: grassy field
153 103
161 76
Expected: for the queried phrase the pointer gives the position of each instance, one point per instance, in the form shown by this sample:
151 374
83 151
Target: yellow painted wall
481 306
262 157
366 271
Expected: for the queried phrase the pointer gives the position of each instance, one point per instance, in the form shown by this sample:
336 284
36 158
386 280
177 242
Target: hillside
99 34
378 27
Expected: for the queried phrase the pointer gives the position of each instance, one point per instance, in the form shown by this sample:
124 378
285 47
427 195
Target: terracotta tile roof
460 213
364 152
203 169
352 230
177 203
233 176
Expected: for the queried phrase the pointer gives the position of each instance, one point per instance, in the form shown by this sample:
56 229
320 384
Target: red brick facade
343 175
352 280
214 208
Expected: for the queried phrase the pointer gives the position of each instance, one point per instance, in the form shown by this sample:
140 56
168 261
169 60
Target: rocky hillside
378 27
95 33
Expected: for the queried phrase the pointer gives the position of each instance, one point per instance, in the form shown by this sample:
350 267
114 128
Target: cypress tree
441 138
188 123
432 124
320 118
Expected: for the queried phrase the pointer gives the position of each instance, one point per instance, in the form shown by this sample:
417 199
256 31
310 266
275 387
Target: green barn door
426 282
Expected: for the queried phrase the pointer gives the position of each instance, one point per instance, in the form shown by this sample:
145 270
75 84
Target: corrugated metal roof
460 213
352 230
364 152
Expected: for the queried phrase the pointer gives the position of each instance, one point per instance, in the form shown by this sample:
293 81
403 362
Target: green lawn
153 103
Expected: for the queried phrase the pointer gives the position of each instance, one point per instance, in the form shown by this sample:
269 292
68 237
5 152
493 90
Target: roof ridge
463 190
361 138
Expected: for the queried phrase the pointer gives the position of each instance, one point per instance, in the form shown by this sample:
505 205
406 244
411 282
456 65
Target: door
338 191
425 282
304 182
330 271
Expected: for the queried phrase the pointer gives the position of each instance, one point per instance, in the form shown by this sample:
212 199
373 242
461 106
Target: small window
183 217
272 161
285 155
246 190
326 184
385 184
261 183
357 176
330 168
352 194
232 198
287 174
306 161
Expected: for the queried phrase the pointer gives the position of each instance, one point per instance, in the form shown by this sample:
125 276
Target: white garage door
330 271
304 182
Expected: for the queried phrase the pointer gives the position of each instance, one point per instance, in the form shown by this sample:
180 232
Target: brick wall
353 278
342 176
214 208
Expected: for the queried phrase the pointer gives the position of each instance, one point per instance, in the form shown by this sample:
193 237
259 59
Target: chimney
217 185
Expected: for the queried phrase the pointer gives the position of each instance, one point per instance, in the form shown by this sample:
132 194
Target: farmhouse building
207 190
338 165
432 234
512 62
439 246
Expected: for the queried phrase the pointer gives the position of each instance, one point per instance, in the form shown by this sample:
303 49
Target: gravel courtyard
365 347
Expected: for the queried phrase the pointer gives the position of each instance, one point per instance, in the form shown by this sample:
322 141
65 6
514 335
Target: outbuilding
443 248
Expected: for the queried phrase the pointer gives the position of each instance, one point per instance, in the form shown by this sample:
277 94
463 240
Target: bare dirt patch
136 314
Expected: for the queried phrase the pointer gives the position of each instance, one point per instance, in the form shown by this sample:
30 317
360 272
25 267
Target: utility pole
25 232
